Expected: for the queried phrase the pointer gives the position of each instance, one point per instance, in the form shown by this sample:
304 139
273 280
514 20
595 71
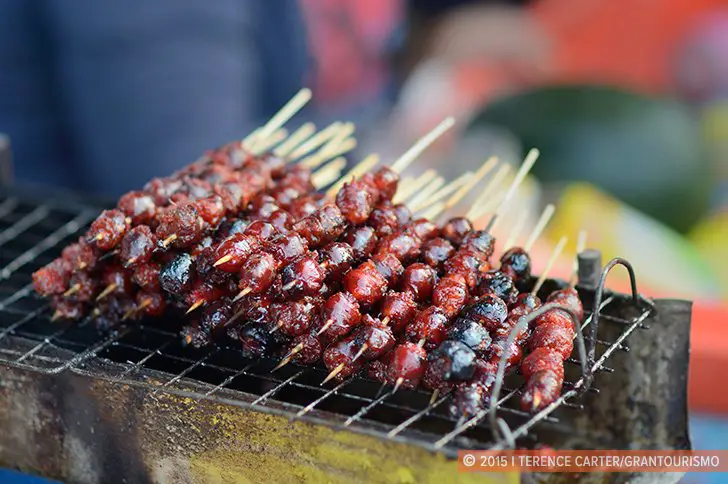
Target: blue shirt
100 96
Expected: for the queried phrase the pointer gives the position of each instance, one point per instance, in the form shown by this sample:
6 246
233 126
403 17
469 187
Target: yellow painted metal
78 428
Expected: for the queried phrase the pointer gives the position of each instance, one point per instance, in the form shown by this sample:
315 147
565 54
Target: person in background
102 96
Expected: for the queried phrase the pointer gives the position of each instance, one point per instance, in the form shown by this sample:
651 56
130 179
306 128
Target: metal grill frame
31 342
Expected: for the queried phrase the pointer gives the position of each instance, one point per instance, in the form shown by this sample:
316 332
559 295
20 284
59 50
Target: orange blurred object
624 42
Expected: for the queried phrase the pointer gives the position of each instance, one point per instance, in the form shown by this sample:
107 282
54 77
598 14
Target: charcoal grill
134 406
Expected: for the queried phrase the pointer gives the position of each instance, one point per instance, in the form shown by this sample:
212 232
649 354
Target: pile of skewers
246 245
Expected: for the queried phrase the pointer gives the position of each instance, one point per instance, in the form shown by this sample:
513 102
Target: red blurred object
709 354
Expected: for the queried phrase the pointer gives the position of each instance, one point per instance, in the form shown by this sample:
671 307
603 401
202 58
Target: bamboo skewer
329 173
316 141
523 171
280 118
483 203
540 226
358 170
422 144
443 192
427 191
550 264
423 180
484 169
297 137
266 144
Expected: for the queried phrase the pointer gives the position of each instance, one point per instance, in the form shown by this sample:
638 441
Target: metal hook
637 299
521 325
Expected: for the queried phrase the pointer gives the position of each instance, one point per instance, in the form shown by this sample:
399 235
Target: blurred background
626 99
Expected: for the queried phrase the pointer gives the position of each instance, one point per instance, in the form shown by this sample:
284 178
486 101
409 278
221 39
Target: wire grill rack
33 232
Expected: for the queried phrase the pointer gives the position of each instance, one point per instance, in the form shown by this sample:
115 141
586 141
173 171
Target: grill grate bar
20 294
418 416
277 388
364 410
11 329
45 244
471 422
139 364
8 206
179 376
615 346
23 224
323 397
229 379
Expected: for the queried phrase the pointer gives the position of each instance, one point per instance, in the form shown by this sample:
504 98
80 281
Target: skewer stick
342 135
361 351
543 221
323 155
222 260
434 396
451 202
422 144
418 183
285 113
580 247
232 320
404 185
427 191
108 290
56 316
338 144
195 305
333 373
72 290
133 311
275 328
433 211
340 366
526 166
242 293
358 170
165 243
296 138
444 192
266 144
316 141
516 230
249 140
287 359
397 384
549 265
484 169
329 173
478 209
326 326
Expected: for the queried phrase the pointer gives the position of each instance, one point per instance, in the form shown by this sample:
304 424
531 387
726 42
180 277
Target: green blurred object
646 151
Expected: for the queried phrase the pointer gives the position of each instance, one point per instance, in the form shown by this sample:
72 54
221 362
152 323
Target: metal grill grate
33 233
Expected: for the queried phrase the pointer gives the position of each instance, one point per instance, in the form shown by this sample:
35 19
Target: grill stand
80 427
135 407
